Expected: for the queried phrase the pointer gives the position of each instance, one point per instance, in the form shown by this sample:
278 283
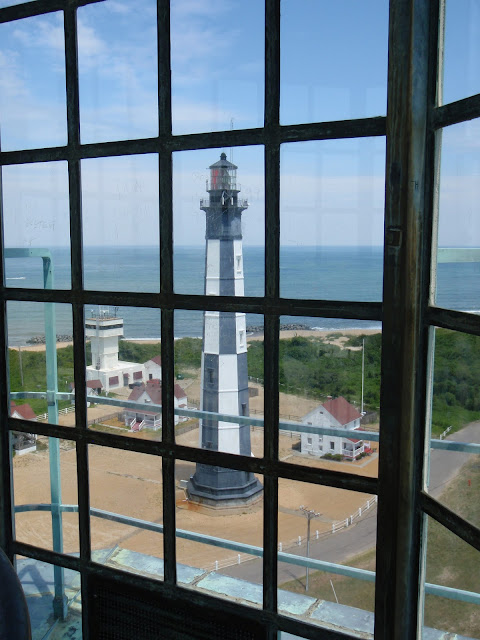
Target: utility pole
20 363
309 515
363 371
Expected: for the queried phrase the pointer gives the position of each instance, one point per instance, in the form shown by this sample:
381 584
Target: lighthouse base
220 488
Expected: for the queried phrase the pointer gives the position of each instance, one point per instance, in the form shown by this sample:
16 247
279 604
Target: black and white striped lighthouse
224 383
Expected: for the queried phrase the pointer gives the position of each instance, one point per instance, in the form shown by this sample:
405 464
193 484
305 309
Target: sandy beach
284 335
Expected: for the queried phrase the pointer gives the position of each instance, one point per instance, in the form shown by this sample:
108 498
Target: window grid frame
272 306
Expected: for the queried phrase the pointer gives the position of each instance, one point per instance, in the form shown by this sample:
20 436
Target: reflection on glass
53 597
123 367
462 50
453 563
32 99
217 66
120 223
338 526
329 378
117 59
331 216
320 78
46 476
126 485
41 361
229 517
207 186
458 256
36 225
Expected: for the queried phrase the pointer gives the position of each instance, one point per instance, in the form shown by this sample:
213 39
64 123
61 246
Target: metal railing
250 550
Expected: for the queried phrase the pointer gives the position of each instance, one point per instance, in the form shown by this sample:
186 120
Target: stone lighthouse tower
224 385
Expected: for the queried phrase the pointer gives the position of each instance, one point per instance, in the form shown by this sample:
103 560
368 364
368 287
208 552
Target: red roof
341 410
94 384
25 411
179 392
156 360
153 389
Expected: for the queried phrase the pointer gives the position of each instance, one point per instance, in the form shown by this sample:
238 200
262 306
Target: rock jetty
283 327
63 337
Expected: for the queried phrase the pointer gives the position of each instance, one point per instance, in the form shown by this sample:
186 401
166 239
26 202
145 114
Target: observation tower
224 380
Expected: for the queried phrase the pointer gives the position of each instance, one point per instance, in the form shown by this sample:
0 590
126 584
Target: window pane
41 362
462 50
212 375
125 485
217 65
329 380
459 227
454 474
36 224
454 564
316 522
331 216
32 95
121 223
45 495
53 597
124 371
321 79
117 59
201 181
236 500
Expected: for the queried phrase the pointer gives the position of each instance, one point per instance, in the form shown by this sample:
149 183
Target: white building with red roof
335 413
23 442
150 394
153 368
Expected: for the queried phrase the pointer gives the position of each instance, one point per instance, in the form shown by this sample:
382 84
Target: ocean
329 273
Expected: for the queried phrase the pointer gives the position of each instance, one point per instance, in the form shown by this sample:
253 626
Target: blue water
329 273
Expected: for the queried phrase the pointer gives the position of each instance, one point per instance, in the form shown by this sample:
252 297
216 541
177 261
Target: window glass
49 613
117 60
332 196
458 259
320 78
453 475
36 225
41 362
329 379
206 548
452 584
52 465
323 523
32 89
462 50
201 181
126 485
215 373
217 65
124 371
121 223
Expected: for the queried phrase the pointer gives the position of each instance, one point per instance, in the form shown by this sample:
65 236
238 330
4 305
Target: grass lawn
451 562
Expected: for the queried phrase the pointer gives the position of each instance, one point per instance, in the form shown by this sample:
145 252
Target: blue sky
334 66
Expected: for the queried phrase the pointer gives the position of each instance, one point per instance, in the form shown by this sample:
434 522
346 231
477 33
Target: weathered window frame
412 127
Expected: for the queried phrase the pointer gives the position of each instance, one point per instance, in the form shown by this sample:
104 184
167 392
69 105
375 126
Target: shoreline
285 334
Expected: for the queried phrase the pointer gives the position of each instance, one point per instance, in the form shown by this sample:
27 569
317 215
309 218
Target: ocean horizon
328 273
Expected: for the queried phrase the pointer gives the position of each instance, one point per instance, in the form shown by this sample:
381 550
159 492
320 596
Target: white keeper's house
151 417
336 413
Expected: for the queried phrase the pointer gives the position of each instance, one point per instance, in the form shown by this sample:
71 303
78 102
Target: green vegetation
309 367
312 368
451 562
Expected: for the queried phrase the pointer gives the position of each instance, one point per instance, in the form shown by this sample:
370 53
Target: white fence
316 535
61 412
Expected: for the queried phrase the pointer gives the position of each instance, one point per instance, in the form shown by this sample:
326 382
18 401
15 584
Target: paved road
444 465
